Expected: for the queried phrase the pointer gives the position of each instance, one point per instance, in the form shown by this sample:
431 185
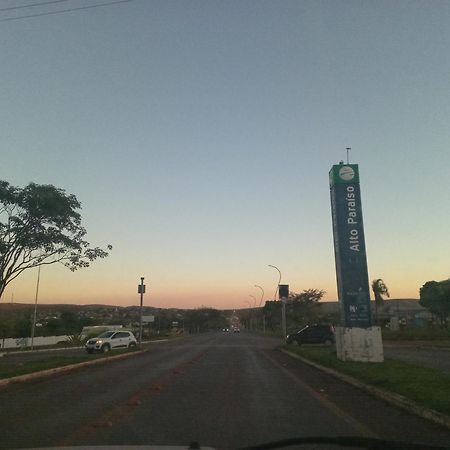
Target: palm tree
380 290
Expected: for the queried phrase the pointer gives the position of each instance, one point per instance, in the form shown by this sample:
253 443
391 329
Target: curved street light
262 295
259 306
250 315
283 305
279 281
251 312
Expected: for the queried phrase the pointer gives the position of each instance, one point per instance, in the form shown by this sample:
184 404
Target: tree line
18 324
301 309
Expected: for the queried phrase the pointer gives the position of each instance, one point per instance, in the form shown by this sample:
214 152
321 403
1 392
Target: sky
198 136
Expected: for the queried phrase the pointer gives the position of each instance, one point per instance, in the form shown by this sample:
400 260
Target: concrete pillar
359 344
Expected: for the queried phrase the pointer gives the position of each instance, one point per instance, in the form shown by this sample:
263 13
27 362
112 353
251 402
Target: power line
50 2
61 11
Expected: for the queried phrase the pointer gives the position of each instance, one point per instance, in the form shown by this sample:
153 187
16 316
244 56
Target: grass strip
11 368
37 366
427 387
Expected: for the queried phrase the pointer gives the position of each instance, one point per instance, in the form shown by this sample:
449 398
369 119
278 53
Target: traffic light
283 290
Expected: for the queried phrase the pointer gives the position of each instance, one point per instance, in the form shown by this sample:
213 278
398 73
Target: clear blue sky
198 136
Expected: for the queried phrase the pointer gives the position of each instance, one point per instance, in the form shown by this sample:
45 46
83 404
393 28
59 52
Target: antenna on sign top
348 150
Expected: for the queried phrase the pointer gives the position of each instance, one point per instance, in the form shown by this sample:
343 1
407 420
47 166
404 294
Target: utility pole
259 306
33 327
141 290
283 293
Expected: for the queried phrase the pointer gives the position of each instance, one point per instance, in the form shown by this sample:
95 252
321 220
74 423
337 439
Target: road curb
390 397
63 369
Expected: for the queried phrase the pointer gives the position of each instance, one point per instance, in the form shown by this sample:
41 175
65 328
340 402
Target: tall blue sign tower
349 246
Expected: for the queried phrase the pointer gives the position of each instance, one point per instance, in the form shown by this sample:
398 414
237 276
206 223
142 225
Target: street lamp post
283 304
250 316
141 290
262 295
254 306
33 327
259 306
279 281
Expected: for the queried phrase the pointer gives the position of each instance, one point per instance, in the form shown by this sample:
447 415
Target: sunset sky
198 136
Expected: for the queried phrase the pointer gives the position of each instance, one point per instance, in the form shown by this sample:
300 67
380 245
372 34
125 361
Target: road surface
435 358
223 390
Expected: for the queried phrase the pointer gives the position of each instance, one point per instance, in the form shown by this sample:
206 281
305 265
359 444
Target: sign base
359 344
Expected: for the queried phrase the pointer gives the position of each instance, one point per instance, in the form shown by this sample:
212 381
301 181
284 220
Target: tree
41 225
306 298
272 314
435 296
68 323
23 326
7 325
203 319
302 308
379 291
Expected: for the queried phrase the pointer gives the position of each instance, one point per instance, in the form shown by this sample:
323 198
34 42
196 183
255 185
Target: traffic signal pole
141 290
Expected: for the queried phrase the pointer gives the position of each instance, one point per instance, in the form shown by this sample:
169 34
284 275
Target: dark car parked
313 334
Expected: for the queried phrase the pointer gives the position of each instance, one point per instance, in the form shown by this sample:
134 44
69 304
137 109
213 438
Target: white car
110 340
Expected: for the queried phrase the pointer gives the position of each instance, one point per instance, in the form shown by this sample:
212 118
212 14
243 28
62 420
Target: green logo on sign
341 173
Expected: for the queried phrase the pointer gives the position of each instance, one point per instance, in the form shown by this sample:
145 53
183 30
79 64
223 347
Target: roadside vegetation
427 387
41 225
301 309
13 369
68 322
435 295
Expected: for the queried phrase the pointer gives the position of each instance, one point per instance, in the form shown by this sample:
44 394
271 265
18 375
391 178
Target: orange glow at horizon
186 297
103 283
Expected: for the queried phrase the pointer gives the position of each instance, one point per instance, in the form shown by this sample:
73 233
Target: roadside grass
427 387
11 368
26 367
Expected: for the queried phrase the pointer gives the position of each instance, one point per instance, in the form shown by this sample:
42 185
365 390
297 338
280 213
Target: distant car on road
312 334
110 340
236 330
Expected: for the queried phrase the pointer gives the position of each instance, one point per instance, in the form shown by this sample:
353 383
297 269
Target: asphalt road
220 389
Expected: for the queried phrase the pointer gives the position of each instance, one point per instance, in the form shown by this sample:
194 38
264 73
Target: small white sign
148 319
